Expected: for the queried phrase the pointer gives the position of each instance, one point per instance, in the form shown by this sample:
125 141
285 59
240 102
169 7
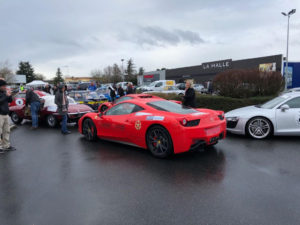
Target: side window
123 109
294 103
159 84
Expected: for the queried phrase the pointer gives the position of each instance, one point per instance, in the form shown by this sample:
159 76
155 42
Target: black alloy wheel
159 142
15 118
89 130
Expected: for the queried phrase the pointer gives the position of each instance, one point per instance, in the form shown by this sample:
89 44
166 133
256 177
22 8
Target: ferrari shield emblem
138 125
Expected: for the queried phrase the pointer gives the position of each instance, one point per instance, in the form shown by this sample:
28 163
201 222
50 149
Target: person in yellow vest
21 88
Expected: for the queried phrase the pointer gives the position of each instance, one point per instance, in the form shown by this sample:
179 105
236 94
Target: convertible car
279 116
164 127
49 112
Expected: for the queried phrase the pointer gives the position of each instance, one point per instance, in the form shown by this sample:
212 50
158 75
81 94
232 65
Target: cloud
160 37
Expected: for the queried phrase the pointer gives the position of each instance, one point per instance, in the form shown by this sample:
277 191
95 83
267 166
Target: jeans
34 107
64 123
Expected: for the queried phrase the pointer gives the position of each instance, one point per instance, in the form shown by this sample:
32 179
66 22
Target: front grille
193 123
231 124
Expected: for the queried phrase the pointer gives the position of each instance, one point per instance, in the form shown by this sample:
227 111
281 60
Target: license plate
213 131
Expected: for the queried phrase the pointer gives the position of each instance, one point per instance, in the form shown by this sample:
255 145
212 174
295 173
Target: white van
160 85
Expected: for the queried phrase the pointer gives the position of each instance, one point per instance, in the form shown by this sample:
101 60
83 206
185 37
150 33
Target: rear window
173 107
122 99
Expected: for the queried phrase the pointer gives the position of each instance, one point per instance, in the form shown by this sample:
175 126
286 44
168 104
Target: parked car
159 125
199 88
83 85
160 85
49 112
168 90
279 116
92 99
180 86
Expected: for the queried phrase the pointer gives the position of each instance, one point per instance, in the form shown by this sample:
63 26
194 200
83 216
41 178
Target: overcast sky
83 35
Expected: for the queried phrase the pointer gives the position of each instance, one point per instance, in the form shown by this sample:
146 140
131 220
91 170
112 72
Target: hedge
219 102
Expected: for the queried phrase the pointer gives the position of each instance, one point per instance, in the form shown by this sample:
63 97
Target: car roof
291 94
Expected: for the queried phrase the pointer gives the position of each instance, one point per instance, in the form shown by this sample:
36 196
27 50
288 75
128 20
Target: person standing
5 98
62 102
120 90
33 100
21 88
92 87
129 89
112 93
189 96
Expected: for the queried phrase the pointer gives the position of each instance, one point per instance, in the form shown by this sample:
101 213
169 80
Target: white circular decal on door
19 102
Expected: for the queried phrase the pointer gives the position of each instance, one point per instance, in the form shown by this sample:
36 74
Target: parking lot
57 179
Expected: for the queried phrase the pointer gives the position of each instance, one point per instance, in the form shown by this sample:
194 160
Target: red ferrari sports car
49 112
164 127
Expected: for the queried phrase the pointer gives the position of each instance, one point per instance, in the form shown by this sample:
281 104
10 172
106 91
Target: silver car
279 116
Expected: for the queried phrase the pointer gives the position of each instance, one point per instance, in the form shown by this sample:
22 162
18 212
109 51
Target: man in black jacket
62 102
5 98
33 100
189 96
120 90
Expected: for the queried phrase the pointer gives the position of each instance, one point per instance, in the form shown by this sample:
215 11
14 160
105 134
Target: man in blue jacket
5 98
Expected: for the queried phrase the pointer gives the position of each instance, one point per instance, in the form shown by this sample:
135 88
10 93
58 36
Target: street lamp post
287 45
122 69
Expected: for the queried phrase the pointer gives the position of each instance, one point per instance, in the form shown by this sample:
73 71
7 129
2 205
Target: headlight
233 119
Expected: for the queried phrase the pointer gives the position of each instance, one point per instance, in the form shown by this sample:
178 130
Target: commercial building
78 79
208 70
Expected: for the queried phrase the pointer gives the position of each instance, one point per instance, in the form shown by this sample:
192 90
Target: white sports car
279 116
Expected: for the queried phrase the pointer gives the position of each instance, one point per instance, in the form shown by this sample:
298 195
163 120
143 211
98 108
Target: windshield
152 84
171 107
274 102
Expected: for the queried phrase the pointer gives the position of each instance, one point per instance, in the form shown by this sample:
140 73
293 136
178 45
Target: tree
58 77
26 69
6 72
116 74
130 67
141 71
39 76
97 75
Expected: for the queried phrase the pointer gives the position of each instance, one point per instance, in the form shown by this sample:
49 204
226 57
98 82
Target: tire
51 121
103 108
259 128
89 130
16 118
159 142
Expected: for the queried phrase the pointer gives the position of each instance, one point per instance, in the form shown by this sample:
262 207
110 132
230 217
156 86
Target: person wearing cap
5 98
62 102
33 100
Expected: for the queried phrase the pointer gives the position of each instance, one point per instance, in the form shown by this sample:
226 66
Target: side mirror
284 107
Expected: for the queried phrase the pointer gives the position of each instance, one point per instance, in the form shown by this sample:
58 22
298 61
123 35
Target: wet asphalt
54 179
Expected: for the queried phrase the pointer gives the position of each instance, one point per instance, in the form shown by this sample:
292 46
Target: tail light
192 123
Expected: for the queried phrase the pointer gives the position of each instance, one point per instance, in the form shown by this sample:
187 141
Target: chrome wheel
15 118
259 128
159 142
89 130
51 121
